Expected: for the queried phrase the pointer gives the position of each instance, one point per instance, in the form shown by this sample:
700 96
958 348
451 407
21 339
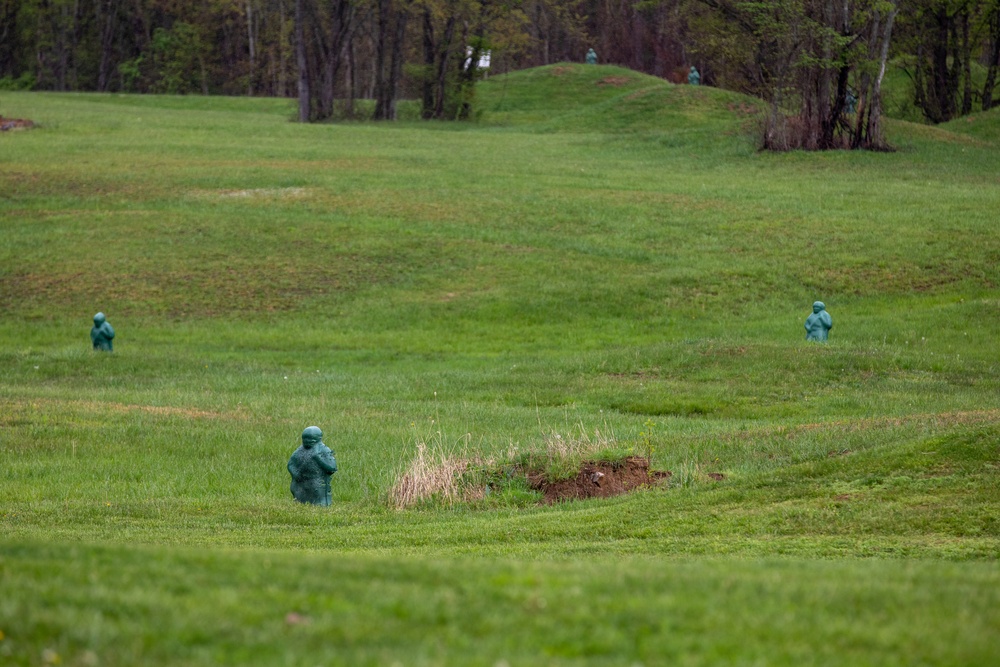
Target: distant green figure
694 78
591 57
311 467
102 333
818 324
851 103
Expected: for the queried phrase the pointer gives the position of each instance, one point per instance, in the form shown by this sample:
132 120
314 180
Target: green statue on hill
102 333
818 324
694 78
850 104
591 57
311 467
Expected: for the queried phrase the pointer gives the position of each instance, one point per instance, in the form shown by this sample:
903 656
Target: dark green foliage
24 82
953 52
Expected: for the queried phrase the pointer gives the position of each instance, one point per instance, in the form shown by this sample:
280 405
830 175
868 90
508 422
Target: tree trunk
282 62
941 88
252 47
874 138
919 82
444 56
843 26
8 45
350 80
864 90
389 58
638 30
107 39
322 64
826 122
966 56
427 85
396 69
59 21
991 73
381 57
74 47
300 60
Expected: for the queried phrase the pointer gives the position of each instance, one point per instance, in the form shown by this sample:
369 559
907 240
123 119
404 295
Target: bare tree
300 60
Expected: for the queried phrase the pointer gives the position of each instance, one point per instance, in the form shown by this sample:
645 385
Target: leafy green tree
455 35
178 60
944 39
992 54
820 66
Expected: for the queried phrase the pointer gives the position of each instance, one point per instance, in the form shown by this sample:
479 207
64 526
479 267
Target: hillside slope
984 126
604 98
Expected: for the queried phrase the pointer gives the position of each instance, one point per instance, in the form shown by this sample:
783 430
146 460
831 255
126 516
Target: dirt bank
599 480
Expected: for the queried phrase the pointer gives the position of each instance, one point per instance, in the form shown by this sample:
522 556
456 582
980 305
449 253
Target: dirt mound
14 124
599 480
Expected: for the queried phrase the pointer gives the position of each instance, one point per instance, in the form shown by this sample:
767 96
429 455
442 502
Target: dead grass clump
430 476
563 455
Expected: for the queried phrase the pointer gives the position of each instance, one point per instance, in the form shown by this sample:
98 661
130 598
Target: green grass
601 256
130 606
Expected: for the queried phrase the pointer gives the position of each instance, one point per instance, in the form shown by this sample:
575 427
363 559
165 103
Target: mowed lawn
601 260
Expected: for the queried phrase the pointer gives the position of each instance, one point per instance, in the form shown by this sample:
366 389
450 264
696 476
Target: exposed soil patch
941 471
257 193
743 108
7 124
637 94
599 480
615 81
677 75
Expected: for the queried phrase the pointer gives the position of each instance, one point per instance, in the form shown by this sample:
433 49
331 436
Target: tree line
818 63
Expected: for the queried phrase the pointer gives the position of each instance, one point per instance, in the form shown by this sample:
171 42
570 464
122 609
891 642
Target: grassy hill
607 99
602 260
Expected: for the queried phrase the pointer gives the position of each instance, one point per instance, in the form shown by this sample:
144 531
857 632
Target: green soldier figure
311 467
102 333
851 103
694 78
591 57
818 324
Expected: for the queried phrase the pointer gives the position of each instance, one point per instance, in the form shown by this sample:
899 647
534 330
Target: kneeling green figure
102 333
818 324
311 467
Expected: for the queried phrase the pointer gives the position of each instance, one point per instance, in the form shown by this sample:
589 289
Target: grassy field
601 258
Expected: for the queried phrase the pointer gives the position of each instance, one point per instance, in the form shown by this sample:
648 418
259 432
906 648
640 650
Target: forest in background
818 64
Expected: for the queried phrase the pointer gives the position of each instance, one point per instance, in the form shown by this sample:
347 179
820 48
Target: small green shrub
24 82
506 486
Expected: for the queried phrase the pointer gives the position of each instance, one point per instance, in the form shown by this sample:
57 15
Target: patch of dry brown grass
431 475
576 445
84 407
614 81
